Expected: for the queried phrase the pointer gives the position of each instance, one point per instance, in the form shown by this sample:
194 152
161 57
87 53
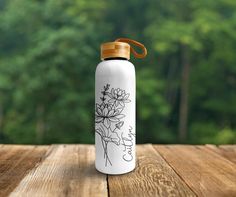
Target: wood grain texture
152 177
229 152
15 162
206 172
67 170
226 151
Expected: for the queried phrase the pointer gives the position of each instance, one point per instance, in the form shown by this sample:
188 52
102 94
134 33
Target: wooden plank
152 177
226 151
229 151
207 173
68 170
15 162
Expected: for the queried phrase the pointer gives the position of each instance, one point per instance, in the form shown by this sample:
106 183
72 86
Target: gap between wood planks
68 170
160 170
226 151
53 174
108 191
206 172
176 172
153 177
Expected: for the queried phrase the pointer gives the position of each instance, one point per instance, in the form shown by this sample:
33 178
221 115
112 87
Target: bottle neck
115 58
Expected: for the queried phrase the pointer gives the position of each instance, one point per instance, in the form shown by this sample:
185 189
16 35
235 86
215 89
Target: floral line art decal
109 117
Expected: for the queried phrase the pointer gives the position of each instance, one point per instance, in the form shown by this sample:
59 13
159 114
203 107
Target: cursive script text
128 144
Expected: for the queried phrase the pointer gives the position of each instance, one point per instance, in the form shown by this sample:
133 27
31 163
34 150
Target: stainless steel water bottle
115 107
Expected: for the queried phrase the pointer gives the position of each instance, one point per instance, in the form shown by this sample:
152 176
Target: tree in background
186 34
185 86
49 53
152 108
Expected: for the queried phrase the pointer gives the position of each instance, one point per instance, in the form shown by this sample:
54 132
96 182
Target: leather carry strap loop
135 43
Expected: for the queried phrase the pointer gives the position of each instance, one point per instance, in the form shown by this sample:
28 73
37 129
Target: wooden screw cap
115 49
121 48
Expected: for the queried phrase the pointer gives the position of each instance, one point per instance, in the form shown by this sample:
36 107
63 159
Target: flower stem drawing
109 117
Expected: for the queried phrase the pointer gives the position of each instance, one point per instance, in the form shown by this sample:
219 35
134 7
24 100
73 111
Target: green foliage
226 136
208 132
49 51
50 78
203 132
150 97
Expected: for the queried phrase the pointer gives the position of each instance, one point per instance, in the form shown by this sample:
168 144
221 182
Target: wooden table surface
162 170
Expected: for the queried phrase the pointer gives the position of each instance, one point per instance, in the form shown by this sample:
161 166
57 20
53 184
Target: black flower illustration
119 124
118 97
108 117
106 113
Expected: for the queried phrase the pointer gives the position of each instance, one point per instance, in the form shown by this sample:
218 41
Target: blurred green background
186 86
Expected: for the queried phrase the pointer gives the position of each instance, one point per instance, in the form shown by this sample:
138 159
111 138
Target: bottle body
115 90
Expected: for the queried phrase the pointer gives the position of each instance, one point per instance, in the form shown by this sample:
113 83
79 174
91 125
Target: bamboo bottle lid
115 49
121 48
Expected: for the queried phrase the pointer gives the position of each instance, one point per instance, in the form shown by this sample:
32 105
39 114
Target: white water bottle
115 107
